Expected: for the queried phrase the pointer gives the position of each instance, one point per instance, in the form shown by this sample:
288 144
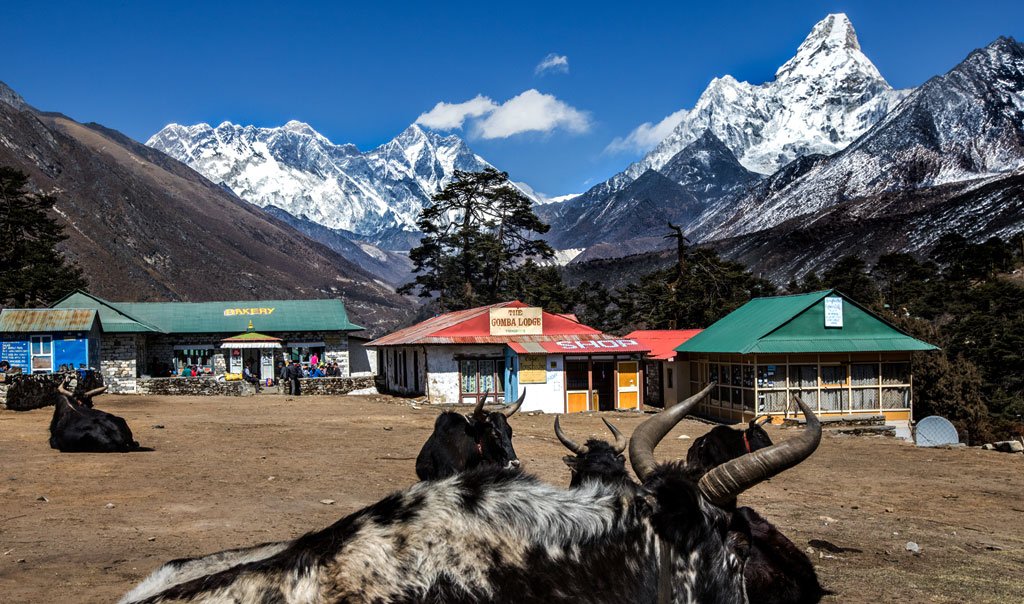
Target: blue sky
361 74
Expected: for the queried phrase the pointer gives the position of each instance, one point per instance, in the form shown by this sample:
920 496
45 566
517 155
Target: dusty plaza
228 472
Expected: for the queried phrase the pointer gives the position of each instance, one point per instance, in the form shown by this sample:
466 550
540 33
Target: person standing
293 379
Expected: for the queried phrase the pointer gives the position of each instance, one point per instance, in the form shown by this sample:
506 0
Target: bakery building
508 349
149 340
842 360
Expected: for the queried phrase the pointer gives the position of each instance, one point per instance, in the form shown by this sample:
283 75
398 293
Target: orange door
576 401
629 385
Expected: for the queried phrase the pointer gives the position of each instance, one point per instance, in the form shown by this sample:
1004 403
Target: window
481 376
576 375
200 357
713 372
864 374
895 373
771 376
833 376
668 378
305 353
42 353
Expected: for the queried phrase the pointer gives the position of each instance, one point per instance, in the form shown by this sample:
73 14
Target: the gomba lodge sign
522 321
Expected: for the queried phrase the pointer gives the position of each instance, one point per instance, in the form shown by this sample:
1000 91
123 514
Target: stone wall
330 386
118 362
194 386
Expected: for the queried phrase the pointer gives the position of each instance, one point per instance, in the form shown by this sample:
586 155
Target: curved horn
61 389
479 409
620 440
511 409
762 420
725 482
647 435
575 448
95 392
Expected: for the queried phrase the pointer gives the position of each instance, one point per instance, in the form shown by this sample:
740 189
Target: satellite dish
935 431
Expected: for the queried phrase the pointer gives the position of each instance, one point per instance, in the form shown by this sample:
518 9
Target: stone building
144 340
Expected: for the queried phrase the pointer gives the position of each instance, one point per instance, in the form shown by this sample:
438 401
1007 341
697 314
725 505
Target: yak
595 459
462 442
723 443
76 427
495 534
777 571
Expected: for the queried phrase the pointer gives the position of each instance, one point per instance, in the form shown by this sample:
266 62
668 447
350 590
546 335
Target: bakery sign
525 321
235 312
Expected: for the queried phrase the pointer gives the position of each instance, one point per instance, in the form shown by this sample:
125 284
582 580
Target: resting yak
499 535
462 442
777 571
78 428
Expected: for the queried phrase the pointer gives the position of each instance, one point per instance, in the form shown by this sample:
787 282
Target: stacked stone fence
331 386
193 386
27 392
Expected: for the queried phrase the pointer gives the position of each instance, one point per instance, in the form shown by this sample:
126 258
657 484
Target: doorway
604 385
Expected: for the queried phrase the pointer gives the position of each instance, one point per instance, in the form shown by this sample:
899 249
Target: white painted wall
548 397
443 368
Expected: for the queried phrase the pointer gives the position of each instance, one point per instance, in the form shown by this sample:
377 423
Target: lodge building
507 349
131 342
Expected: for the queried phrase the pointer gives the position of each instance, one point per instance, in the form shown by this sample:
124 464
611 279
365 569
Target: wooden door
576 401
629 385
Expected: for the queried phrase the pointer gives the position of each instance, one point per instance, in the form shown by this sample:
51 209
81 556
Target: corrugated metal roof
604 345
220 317
112 319
472 326
662 342
252 336
796 324
41 320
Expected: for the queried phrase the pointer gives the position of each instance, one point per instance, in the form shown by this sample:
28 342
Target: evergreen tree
33 272
477 234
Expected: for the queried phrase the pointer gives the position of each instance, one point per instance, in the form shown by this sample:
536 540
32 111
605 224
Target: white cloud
531 111
554 63
646 136
450 116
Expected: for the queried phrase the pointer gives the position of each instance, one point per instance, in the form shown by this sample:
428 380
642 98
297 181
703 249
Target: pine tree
477 234
32 271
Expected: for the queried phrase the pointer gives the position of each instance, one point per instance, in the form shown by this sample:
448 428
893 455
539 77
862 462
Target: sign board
532 369
235 312
597 344
833 311
16 353
526 321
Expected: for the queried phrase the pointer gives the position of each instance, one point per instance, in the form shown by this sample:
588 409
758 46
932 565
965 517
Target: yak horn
479 409
620 440
760 421
61 389
569 444
647 435
511 409
95 392
724 483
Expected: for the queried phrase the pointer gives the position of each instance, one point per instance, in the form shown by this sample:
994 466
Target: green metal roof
796 324
217 317
35 320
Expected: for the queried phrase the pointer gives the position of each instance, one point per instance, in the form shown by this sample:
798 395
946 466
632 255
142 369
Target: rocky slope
146 227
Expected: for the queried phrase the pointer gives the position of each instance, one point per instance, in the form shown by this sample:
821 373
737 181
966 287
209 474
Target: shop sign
528 321
833 311
235 312
16 353
596 344
532 369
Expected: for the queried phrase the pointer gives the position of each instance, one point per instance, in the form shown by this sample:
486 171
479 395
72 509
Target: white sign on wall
516 321
833 311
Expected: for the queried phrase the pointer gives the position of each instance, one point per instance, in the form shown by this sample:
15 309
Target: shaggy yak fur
488 535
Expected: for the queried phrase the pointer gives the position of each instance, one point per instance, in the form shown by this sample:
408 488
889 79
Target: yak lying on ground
78 428
777 571
499 535
462 442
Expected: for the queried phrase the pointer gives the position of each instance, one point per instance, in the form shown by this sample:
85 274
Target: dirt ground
231 472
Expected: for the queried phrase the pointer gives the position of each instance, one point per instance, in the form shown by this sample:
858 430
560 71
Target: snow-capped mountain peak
297 169
833 35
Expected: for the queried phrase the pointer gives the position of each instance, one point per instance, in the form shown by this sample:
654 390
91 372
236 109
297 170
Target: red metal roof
472 326
662 342
604 344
